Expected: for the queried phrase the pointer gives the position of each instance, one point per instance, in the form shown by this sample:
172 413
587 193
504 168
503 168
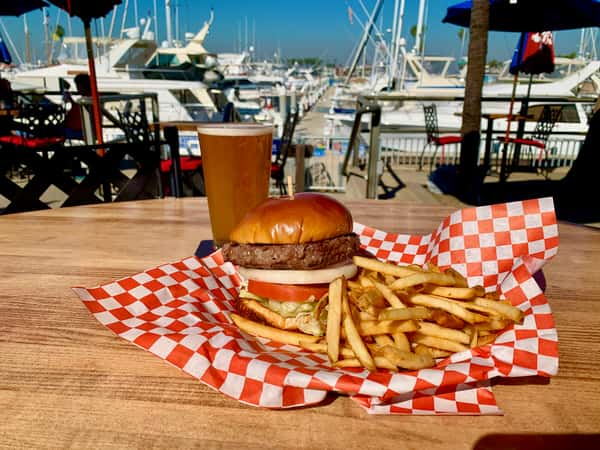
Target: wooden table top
67 381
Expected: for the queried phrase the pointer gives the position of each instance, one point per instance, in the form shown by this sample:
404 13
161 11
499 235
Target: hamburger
288 250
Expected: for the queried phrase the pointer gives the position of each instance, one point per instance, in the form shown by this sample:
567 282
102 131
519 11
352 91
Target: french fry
415 313
389 295
275 334
351 333
504 309
439 279
433 267
493 295
401 341
421 349
380 362
354 285
443 344
374 327
432 329
364 315
383 339
385 268
447 320
462 293
460 281
337 289
451 307
406 360
474 342
487 339
321 347
494 324
471 306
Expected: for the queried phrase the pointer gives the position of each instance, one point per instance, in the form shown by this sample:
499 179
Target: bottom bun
251 309
282 276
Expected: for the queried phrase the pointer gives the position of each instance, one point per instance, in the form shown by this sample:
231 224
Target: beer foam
230 129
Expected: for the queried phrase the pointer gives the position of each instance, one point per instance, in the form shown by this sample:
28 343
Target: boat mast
46 22
125 10
364 39
155 22
397 39
27 40
418 37
168 22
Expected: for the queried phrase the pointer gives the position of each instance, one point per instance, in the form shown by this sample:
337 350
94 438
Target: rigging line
11 43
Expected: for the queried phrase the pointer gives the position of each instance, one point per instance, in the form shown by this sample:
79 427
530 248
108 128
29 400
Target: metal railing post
372 176
373 165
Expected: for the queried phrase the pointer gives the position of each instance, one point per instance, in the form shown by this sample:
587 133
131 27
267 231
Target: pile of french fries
399 317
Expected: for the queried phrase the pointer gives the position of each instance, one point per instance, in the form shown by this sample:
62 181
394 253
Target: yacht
130 66
404 116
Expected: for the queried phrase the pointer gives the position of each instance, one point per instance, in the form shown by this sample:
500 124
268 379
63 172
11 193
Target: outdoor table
67 381
489 130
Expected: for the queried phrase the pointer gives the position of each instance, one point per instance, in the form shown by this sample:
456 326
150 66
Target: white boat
124 69
402 116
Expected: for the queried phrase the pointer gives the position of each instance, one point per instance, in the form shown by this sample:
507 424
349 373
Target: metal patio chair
434 138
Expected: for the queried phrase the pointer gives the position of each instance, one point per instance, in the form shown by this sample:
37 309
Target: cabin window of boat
135 56
568 114
184 96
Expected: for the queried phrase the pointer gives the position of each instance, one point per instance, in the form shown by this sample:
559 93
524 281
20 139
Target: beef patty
311 255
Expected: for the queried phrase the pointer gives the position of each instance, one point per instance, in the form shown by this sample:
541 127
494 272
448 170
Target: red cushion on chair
443 140
190 163
187 164
165 165
523 141
31 142
275 167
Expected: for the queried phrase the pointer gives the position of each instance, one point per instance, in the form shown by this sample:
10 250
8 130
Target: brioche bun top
305 217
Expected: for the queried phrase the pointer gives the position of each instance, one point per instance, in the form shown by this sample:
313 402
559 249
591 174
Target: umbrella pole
93 84
95 101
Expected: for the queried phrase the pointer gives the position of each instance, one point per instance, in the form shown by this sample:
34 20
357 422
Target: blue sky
300 28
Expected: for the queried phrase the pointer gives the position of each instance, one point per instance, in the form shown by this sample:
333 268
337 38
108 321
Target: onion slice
292 276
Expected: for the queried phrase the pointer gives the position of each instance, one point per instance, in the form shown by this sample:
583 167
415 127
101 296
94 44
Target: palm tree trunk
468 179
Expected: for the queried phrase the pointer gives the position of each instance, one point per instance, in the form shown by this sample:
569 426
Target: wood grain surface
67 381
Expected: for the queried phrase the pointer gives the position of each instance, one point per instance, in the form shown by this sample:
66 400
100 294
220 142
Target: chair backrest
135 125
42 119
286 138
548 118
431 123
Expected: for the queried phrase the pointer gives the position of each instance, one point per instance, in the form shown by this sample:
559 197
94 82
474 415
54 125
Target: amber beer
236 160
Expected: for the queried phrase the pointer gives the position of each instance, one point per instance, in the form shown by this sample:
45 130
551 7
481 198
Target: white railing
323 170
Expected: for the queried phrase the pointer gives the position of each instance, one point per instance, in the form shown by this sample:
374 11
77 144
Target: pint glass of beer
236 160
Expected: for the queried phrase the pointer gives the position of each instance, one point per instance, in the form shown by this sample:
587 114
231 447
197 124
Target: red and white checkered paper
180 313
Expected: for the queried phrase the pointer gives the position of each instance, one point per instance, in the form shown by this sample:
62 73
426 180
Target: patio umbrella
18 7
533 55
531 15
87 10
5 57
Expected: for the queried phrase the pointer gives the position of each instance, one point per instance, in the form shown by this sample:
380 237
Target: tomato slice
287 292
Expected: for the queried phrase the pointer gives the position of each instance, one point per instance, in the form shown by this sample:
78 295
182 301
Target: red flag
350 15
538 56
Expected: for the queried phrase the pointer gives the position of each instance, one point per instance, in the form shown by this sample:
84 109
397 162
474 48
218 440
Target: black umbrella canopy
18 7
86 9
531 15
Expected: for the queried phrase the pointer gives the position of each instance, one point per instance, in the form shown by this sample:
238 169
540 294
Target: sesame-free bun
305 217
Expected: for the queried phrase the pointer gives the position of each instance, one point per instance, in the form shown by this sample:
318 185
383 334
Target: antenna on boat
364 39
